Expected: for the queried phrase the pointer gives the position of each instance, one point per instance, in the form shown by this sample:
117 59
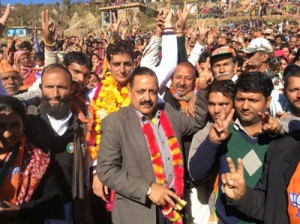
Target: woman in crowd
28 189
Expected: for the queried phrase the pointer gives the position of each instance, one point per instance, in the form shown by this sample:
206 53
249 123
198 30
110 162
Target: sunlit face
223 67
24 60
95 60
56 85
183 80
218 102
286 50
11 81
56 93
93 82
121 66
292 93
143 94
283 64
254 61
11 129
248 105
80 75
293 42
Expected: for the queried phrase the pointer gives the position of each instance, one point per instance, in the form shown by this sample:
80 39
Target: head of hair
290 71
226 87
137 53
188 64
239 59
254 82
26 45
203 57
96 76
94 55
56 66
285 45
78 58
40 56
141 71
119 47
9 103
297 56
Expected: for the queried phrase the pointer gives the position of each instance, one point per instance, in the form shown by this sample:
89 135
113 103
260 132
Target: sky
26 2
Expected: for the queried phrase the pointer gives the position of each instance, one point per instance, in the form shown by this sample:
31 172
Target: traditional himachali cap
5 66
222 51
258 44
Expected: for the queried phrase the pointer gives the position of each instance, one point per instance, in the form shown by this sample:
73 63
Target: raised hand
269 124
219 130
234 184
4 18
135 28
114 26
203 30
161 195
168 18
211 37
182 16
205 77
160 21
48 29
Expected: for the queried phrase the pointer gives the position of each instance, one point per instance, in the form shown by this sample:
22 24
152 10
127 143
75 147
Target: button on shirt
162 143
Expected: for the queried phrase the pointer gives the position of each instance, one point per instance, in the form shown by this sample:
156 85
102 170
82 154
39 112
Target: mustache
65 99
222 74
178 85
11 86
146 102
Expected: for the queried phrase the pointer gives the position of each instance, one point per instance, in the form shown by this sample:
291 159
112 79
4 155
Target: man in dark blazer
124 161
270 201
55 127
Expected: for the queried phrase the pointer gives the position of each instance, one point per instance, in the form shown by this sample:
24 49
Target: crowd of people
183 124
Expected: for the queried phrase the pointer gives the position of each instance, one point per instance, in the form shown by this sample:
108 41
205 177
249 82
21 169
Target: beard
60 110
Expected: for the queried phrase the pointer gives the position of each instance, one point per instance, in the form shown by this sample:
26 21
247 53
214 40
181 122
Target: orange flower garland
108 98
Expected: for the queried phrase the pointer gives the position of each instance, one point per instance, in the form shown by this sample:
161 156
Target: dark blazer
39 131
124 162
268 201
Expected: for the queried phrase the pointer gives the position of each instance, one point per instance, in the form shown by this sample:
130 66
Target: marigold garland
172 214
108 98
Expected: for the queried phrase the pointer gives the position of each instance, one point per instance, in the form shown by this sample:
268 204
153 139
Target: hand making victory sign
234 184
219 130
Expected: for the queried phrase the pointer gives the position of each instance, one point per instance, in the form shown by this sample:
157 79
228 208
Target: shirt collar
239 127
144 119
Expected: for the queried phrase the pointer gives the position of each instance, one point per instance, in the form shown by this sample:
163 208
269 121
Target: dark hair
40 56
253 82
119 47
137 53
187 64
202 58
26 45
78 58
285 45
297 56
226 87
9 103
55 66
140 71
240 60
290 71
94 55
97 76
